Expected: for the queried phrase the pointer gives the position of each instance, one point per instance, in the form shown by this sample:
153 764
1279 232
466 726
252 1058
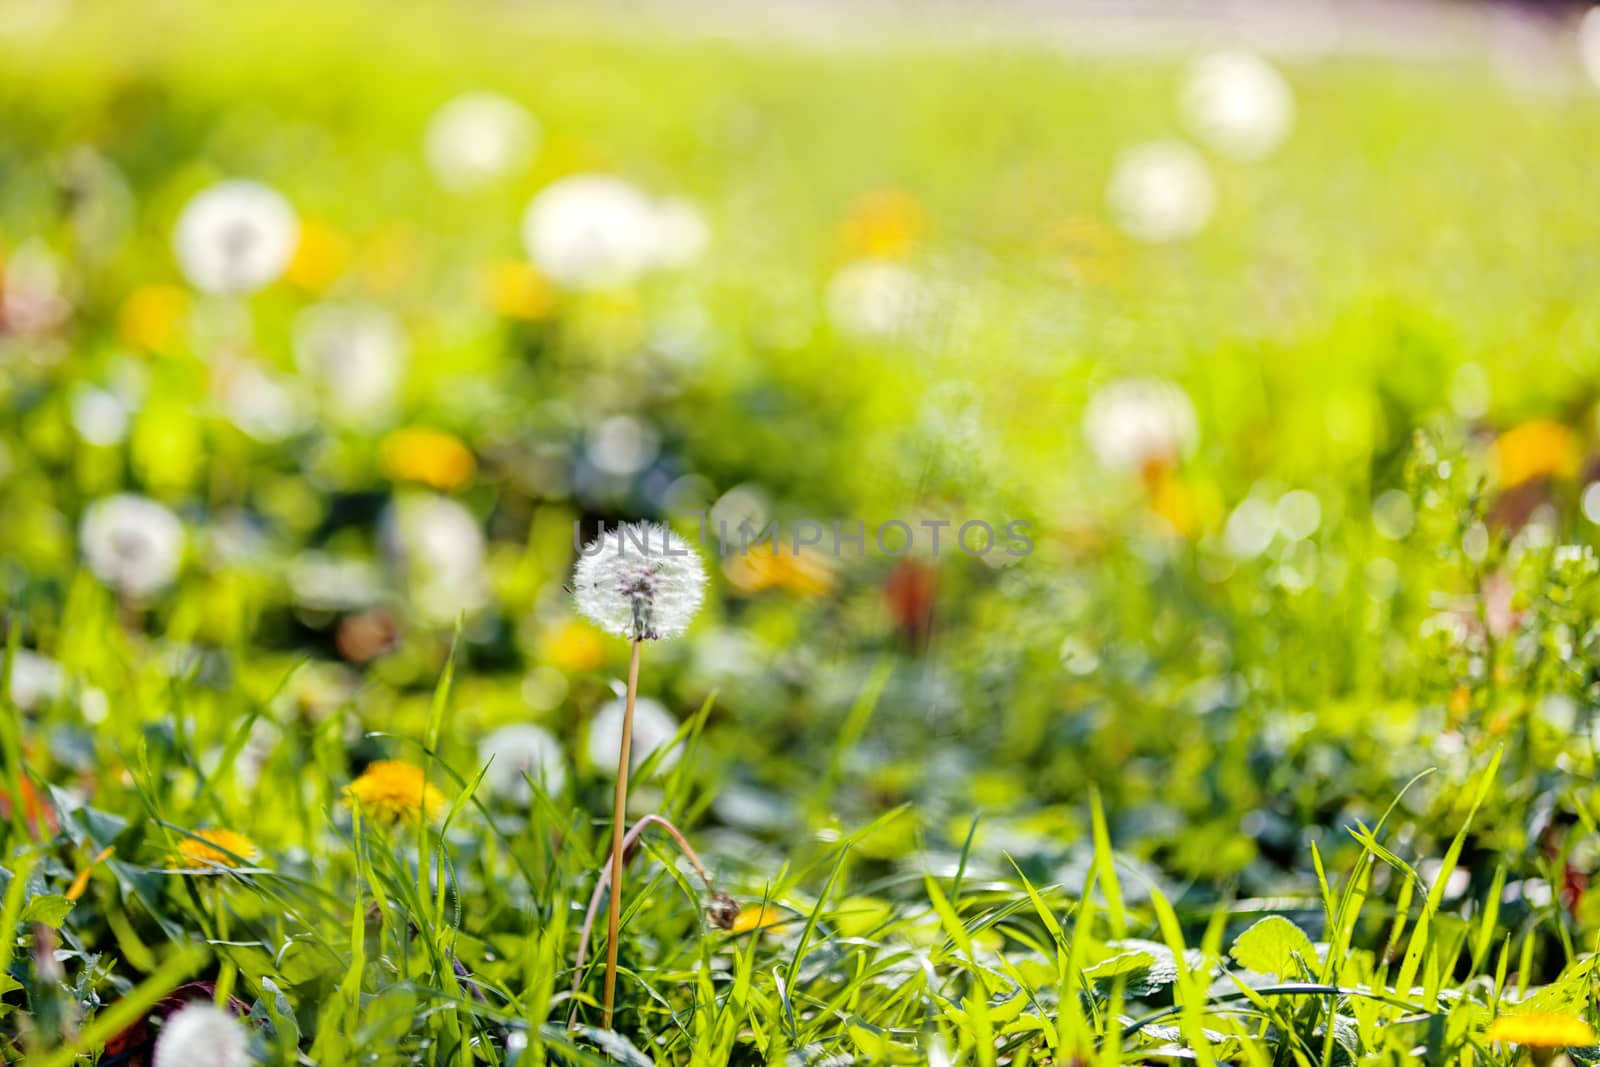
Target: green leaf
1275 946
49 908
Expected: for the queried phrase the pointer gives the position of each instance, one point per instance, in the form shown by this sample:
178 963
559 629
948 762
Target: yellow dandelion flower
762 917
1541 1031
806 574
517 290
214 848
432 457
574 647
151 319
1538 448
394 791
882 224
320 257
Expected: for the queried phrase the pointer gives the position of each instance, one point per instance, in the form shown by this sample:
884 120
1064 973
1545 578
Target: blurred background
322 325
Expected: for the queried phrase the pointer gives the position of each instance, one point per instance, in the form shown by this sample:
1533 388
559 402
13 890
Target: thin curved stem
628 842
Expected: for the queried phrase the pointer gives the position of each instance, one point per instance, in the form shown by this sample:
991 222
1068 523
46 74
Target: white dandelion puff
438 549
640 581
235 237
591 231
523 750
202 1035
1161 192
478 139
1137 423
355 356
873 298
131 543
1238 103
35 680
1589 44
653 728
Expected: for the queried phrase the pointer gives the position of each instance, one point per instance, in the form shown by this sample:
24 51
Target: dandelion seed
235 237
132 544
393 791
523 750
214 848
1541 1031
202 1035
640 581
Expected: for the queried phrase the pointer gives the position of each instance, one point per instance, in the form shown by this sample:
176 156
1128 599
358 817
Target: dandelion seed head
640 581
393 791
653 727
591 231
131 543
518 750
235 237
1238 103
1136 423
1162 192
202 1035
479 138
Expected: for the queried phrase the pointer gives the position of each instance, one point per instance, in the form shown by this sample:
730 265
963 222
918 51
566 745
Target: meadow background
1277 748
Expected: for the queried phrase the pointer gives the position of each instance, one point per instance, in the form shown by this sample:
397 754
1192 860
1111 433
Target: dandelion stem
618 829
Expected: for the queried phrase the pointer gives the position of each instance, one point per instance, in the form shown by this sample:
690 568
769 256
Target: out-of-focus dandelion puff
1589 44
1537 448
100 416
653 728
623 445
438 546
35 680
213 848
131 543
592 231
1250 528
479 138
874 298
1541 1030
640 581
258 403
1161 192
393 791
1139 424
355 357
518 750
235 237
432 457
201 1034
1237 103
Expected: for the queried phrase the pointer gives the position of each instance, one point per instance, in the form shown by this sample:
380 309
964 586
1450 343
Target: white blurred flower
35 680
1589 44
623 445
640 581
873 298
1250 528
523 749
201 1034
591 231
131 543
235 237
1161 192
257 403
333 583
479 138
100 416
1238 103
32 293
1135 423
653 728
439 547
355 356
